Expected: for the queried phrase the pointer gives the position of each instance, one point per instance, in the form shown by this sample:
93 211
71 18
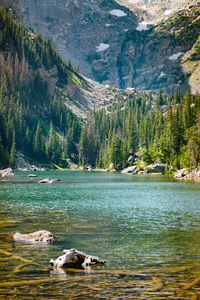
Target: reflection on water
146 227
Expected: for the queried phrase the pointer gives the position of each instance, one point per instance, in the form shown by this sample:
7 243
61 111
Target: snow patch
117 13
142 26
175 56
162 74
102 47
167 12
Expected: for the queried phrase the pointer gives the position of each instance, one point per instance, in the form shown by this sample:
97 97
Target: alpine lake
146 227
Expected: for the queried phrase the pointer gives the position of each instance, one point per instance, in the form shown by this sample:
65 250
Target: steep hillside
130 46
37 88
33 116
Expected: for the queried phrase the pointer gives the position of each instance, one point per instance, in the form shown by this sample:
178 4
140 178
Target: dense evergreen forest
166 130
35 120
33 116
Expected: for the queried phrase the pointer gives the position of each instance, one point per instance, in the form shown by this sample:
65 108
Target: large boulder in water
75 259
42 236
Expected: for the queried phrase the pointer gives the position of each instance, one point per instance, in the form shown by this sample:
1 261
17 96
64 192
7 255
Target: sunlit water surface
146 227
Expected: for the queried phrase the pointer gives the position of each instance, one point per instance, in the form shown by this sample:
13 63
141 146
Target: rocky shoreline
6 172
22 165
153 169
190 175
149 169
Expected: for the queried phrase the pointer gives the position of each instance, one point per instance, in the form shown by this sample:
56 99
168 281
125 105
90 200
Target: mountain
38 92
123 43
111 128
80 30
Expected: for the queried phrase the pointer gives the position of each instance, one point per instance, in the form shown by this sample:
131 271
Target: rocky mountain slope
123 43
155 11
80 30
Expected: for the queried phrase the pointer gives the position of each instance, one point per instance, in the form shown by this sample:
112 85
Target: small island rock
43 236
31 175
75 259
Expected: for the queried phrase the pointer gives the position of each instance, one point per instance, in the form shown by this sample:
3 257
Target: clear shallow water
146 227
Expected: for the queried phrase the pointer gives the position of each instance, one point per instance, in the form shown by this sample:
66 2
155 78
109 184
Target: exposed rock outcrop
149 169
129 170
22 165
75 259
155 168
6 172
190 175
41 236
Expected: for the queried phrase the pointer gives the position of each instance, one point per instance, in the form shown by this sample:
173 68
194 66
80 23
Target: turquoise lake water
146 227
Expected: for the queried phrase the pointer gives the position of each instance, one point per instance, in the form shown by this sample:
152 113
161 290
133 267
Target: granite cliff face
124 43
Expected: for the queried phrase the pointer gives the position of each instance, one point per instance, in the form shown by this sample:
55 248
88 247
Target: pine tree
12 160
37 140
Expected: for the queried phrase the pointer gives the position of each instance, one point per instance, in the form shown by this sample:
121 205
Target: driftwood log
35 237
75 259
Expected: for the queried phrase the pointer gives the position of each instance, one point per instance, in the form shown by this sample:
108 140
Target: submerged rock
75 259
48 180
31 175
6 172
35 237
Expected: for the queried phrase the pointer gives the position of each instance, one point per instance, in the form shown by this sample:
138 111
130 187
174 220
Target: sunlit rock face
119 43
157 10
